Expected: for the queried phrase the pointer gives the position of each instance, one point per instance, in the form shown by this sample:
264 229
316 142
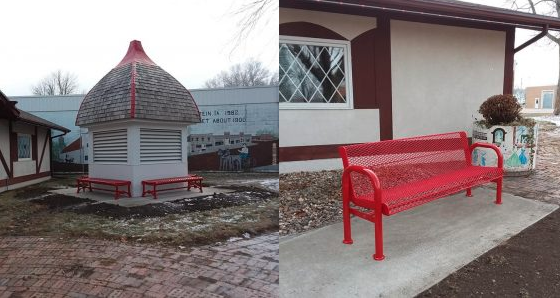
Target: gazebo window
314 73
110 146
160 145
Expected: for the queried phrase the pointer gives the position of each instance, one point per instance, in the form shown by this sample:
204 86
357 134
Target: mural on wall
231 133
515 142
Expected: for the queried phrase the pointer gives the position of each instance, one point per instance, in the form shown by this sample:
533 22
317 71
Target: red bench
392 176
193 181
85 182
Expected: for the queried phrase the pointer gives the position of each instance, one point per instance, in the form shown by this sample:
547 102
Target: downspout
543 33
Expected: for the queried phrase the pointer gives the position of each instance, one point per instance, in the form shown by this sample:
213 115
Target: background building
25 145
229 113
540 97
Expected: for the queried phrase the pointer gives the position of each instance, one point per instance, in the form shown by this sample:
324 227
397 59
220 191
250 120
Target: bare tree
251 14
549 8
249 73
57 83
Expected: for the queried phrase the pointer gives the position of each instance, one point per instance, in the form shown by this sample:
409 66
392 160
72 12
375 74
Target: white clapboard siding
160 145
110 146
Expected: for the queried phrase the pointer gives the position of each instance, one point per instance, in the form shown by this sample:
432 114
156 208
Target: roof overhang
441 9
34 120
9 111
8 108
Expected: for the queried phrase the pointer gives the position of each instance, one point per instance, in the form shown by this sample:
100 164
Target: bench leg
469 193
346 221
499 191
378 256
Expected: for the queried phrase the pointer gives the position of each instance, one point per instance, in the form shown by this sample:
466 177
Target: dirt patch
527 265
57 201
222 200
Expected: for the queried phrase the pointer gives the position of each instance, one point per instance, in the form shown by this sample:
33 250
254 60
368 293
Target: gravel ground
309 200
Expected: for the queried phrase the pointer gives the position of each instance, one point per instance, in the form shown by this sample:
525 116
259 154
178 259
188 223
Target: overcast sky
192 40
535 65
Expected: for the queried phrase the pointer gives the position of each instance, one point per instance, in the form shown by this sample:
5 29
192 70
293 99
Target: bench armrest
493 147
364 171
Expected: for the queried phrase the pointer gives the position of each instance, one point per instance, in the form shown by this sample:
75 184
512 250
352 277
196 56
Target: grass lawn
33 211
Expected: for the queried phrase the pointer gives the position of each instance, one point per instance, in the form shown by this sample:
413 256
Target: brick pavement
50 267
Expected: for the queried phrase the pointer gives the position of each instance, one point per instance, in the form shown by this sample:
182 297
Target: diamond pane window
314 73
24 146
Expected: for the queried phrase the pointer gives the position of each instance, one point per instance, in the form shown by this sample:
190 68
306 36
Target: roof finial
136 53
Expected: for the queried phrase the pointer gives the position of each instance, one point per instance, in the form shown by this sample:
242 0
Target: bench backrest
406 161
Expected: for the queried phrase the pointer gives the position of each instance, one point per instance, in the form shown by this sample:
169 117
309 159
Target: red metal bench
193 181
85 182
392 176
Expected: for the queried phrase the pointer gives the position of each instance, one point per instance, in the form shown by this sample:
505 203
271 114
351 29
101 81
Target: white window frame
30 147
348 74
541 101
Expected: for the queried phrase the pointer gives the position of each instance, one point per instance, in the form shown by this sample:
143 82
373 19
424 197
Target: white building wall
441 75
134 170
325 127
4 146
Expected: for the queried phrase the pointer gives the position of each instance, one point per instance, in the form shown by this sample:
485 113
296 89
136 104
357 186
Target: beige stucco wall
441 75
349 26
4 146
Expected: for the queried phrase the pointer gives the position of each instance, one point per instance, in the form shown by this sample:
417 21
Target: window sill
314 107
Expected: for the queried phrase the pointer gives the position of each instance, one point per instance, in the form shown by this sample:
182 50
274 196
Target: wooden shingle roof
138 89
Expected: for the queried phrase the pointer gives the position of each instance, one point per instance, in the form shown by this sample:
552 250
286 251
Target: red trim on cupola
133 91
136 53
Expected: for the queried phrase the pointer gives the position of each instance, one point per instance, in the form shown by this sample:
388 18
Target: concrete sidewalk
422 246
165 196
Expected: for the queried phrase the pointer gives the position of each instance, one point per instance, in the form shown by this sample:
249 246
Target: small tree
57 83
247 74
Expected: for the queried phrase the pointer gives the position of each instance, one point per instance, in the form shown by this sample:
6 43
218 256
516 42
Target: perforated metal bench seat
392 176
401 198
